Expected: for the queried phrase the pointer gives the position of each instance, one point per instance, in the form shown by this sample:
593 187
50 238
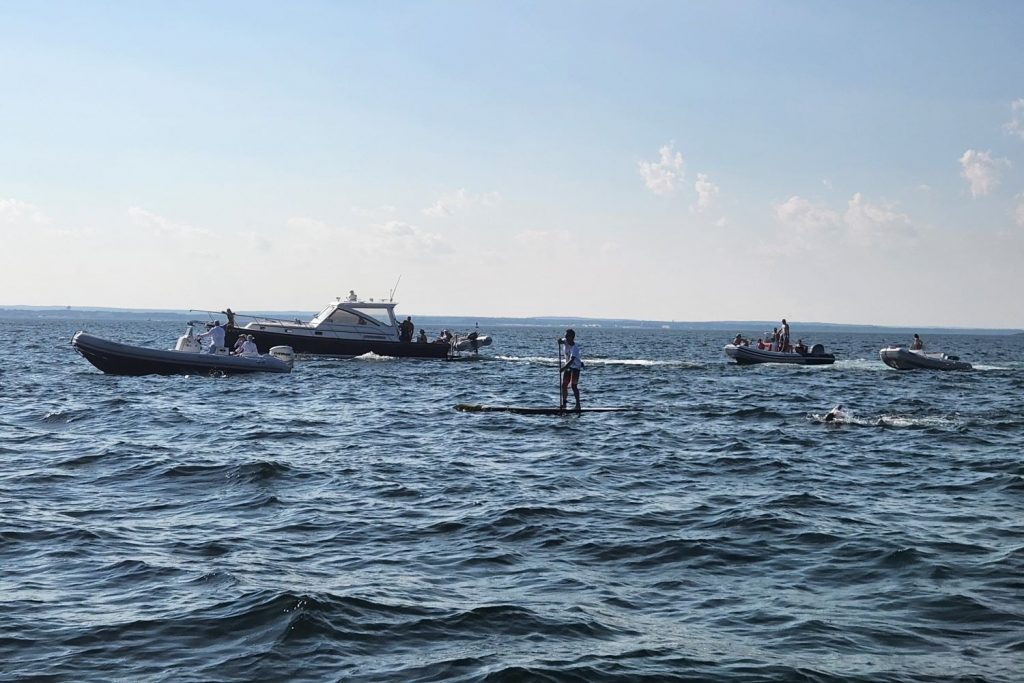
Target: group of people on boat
778 340
245 345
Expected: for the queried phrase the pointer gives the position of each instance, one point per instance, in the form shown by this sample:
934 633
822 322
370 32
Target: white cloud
706 192
375 241
868 223
981 171
543 239
1015 126
862 223
460 200
401 236
374 212
163 225
14 212
800 214
661 176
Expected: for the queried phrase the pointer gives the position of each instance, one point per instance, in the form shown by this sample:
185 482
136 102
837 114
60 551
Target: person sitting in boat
352 298
237 348
422 339
917 344
762 345
740 340
800 347
216 337
445 337
249 346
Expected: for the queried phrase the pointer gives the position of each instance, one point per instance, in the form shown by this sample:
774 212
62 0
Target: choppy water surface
344 523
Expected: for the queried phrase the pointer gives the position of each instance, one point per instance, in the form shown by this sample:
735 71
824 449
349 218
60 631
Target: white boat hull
466 344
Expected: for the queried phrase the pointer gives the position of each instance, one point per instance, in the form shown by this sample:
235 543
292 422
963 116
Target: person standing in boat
784 336
573 358
216 336
231 317
406 329
917 344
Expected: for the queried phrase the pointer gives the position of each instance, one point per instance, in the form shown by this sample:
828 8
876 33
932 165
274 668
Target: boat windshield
351 315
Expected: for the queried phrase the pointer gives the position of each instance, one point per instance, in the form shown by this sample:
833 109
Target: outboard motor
817 350
188 342
283 353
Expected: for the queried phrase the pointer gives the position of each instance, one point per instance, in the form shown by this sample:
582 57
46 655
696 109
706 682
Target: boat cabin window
354 316
381 315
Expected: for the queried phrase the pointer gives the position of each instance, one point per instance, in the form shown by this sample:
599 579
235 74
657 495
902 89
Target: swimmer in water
835 413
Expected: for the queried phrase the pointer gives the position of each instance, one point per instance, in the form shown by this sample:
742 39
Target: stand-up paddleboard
536 410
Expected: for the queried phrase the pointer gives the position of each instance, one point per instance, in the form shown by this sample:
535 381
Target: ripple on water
344 523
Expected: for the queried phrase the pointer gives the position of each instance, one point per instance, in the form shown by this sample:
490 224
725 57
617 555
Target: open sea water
344 523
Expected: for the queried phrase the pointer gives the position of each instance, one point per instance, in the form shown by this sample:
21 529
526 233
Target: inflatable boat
749 355
903 358
186 358
471 341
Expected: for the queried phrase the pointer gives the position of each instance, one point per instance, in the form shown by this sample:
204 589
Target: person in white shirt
216 336
573 360
249 347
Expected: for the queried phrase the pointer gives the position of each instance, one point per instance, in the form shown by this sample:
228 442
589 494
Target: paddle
560 407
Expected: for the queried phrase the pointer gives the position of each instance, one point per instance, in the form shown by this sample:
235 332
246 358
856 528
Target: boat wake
849 417
371 356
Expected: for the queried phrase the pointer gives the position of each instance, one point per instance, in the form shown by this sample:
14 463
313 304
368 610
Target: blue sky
685 161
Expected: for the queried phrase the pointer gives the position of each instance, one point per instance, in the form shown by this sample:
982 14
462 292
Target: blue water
344 523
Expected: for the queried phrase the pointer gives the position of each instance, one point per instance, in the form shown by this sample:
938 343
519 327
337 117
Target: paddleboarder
573 359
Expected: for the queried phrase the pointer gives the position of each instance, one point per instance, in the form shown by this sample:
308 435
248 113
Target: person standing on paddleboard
571 369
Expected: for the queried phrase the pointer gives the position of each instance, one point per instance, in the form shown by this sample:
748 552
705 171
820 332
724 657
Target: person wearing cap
216 336
422 339
573 359
249 347
917 344
237 348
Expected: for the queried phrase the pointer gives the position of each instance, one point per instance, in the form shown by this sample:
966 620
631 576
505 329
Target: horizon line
182 311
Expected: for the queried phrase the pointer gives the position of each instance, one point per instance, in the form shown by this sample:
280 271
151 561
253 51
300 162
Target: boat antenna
391 297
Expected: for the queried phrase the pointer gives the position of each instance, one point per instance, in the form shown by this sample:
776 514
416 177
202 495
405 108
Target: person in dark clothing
406 329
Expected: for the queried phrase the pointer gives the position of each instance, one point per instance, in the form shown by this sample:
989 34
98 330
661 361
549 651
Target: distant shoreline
750 327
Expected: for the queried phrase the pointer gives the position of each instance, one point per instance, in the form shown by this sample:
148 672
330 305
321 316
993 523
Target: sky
849 162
